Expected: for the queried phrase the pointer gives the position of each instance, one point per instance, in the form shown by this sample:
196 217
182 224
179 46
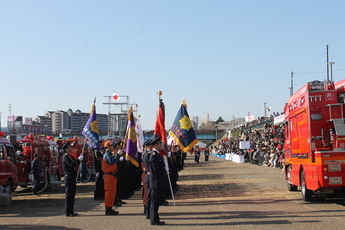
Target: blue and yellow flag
182 130
90 130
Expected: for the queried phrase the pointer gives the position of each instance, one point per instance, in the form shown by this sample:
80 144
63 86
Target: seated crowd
266 144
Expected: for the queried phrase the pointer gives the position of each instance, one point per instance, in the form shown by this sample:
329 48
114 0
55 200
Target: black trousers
148 202
70 189
36 184
206 157
99 187
156 199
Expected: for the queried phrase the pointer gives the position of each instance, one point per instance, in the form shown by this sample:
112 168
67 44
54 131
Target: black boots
110 211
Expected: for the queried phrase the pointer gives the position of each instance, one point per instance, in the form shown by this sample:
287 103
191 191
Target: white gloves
121 158
166 168
120 152
81 157
97 174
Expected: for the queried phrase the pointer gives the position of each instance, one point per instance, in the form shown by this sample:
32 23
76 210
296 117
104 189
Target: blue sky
226 58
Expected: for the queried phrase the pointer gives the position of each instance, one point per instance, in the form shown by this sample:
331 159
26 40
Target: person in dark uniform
207 154
197 154
36 172
69 166
144 165
99 182
156 181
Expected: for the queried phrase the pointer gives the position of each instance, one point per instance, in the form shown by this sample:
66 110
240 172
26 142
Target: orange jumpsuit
109 167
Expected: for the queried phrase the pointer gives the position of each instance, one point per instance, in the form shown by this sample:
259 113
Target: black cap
36 155
156 140
115 144
147 142
66 145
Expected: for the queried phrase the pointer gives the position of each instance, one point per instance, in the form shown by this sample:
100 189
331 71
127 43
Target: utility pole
291 86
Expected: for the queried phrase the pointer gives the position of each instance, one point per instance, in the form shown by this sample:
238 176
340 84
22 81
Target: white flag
140 136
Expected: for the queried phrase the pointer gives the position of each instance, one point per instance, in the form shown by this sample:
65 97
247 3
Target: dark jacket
156 170
35 167
69 165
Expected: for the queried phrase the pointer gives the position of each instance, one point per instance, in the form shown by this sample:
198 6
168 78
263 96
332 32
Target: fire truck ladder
336 115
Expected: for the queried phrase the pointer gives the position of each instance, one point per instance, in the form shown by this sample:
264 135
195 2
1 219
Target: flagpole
82 153
167 166
165 157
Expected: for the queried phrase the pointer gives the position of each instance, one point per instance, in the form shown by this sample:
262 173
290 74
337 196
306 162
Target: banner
131 146
159 130
90 130
182 130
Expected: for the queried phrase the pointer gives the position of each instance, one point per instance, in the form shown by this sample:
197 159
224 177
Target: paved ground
213 195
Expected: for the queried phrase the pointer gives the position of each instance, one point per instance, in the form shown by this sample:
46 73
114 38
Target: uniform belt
113 174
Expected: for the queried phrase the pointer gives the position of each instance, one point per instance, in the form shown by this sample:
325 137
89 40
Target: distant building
73 122
64 122
195 122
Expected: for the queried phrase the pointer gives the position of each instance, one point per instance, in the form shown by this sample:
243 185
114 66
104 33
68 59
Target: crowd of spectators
266 143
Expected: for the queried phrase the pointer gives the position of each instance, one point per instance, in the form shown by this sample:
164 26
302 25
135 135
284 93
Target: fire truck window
316 116
26 144
11 154
1 152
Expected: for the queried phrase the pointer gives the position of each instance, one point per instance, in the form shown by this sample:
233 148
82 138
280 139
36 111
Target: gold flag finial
184 103
159 93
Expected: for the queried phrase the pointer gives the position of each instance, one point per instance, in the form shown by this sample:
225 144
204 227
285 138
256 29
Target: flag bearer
109 168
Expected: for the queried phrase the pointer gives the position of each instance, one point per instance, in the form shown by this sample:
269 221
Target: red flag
159 130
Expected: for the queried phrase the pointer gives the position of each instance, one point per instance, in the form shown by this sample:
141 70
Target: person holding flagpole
110 170
157 179
69 164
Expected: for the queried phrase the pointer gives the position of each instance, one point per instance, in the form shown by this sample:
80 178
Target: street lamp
331 63
265 109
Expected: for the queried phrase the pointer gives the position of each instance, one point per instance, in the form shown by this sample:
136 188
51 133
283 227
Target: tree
220 119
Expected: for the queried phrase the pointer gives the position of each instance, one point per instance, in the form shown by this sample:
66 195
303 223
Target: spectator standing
197 154
36 172
207 154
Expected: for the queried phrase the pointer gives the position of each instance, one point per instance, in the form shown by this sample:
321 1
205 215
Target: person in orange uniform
109 168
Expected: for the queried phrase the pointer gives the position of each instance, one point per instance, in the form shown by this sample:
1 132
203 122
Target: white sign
244 144
249 118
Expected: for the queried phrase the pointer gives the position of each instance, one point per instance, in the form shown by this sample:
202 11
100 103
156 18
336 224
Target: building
55 123
195 122
70 122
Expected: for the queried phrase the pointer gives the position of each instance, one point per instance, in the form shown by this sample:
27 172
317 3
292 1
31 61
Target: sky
225 58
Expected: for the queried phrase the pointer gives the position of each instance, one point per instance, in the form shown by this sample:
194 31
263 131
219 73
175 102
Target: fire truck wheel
9 185
291 187
306 193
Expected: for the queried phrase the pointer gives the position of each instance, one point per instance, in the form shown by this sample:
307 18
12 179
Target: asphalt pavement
218 194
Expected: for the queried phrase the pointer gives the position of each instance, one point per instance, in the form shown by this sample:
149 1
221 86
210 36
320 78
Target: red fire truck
50 159
8 169
315 140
